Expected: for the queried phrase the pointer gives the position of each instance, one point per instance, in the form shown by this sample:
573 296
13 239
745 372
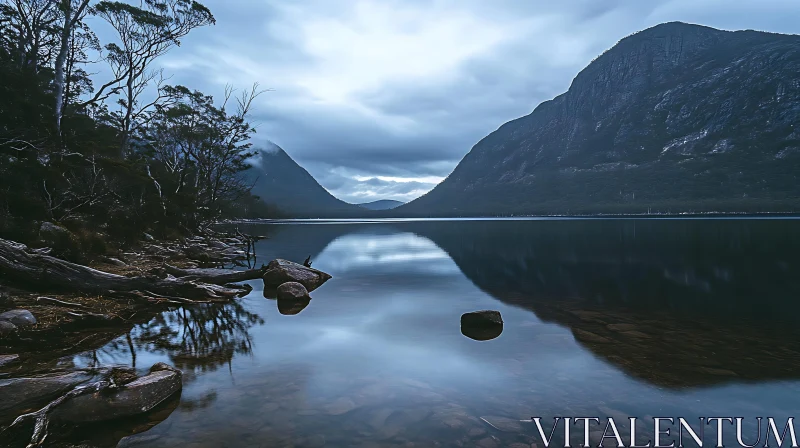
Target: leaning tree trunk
18 265
215 276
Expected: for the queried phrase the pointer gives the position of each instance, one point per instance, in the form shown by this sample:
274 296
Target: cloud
400 90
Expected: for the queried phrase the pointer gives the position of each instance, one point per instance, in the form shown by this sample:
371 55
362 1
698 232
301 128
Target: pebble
20 318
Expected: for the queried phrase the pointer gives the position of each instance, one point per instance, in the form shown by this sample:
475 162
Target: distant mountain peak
281 182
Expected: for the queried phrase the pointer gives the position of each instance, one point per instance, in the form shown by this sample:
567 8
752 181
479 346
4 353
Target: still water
603 318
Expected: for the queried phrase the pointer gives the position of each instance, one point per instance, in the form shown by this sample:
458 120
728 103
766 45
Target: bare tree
73 12
145 33
203 149
31 23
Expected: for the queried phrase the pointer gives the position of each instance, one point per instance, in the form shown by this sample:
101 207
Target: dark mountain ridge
675 118
280 182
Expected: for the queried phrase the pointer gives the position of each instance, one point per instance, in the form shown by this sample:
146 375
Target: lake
602 318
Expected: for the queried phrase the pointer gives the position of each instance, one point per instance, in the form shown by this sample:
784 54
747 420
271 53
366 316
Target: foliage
127 156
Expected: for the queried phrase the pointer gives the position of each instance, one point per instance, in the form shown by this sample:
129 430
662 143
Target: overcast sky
380 99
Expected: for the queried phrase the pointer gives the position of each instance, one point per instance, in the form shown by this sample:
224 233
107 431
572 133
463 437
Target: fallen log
215 276
18 265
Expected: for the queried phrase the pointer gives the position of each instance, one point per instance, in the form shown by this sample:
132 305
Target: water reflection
626 289
481 334
652 297
611 318
290 307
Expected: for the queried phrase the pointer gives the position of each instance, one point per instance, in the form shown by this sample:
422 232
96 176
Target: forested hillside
111 157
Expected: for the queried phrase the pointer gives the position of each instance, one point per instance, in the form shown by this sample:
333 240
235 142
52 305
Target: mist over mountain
280 182
675 118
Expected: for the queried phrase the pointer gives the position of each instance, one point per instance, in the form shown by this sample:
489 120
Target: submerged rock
292 291
19 318
280 271
136 397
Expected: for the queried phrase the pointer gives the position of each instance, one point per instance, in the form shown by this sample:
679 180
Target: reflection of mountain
677 303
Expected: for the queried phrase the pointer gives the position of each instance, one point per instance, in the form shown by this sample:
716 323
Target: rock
20 318
7 328
503 424
122 376
137 397
23 393
292 291
161 366
482 325
486 318
53 233
280 271
482 334
289 307
8 359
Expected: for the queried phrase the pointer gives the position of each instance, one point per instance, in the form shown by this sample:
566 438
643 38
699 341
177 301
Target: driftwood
19 265
215 276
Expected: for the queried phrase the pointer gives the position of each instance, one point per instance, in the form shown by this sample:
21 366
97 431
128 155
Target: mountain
384 204
675 118
279 181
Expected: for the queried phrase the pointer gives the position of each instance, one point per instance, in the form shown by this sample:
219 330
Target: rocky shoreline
56 309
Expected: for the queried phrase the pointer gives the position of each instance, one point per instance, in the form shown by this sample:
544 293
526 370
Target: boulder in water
24 393
290 307
482 333
134 398
280 271
482 325
485 318
292 291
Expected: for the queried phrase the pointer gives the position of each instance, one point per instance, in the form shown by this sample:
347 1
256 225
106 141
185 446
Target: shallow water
605 318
